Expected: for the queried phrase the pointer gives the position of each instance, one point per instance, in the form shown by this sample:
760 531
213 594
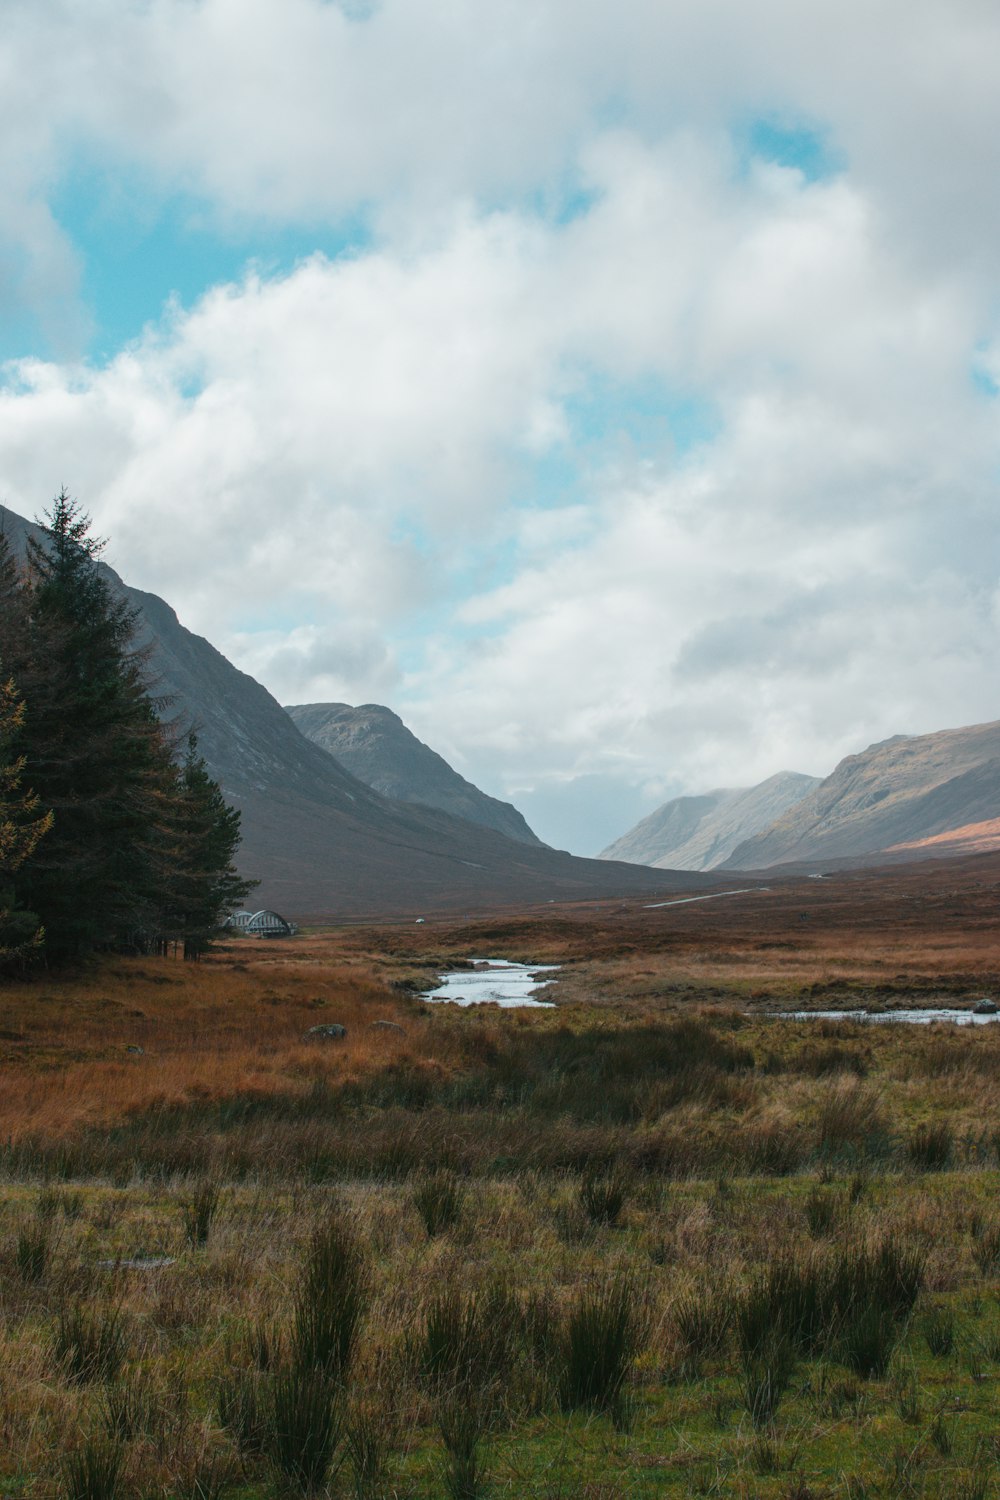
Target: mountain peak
373 743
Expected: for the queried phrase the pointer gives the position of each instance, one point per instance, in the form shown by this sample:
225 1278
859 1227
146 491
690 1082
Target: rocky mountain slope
699 833
910 797
320 840
375 745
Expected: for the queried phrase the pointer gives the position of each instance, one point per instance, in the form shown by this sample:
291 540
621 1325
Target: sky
608 386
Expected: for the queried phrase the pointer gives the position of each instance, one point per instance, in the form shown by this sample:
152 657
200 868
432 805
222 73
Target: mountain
320 840
698 833
907 797
375 745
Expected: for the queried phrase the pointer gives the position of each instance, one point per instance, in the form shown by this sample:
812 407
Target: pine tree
208 884
97 754
22 827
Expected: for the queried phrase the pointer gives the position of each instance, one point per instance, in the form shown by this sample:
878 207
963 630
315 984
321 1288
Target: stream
494 981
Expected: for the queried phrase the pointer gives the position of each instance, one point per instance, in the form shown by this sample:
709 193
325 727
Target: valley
184 1149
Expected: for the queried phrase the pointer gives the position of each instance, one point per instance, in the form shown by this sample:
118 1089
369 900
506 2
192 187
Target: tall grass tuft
96 1471
90 1343
931 1147
852 1302
371 1436
986 1249
463 1426
765 1373
127 1406
240 1405
472 1342
938 1329
603 1336
603 1198
199 1210
303 1426
700 1323
330 1303
33 1250
822 1210
439 1200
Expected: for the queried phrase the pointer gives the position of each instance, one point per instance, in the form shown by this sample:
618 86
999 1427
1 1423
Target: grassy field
654 1241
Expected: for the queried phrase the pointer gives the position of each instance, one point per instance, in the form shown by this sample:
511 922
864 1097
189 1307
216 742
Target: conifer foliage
133 847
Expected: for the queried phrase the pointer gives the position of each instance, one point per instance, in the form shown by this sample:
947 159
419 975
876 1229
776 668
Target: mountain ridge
373 743
323 842
893 796
700 832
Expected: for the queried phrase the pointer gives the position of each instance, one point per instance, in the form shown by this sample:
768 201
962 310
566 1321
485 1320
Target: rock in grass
985 1008
331 1031
387 1026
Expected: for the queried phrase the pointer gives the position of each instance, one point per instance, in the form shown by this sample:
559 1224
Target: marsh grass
439 1199
240 1397
931 1147
463 1427
711 1117
372 1435
938 1327
303 1425
602 1197
128 1406
603 1337
90 1343
95 1471
33 1250
198 1211
330 1303
700 1322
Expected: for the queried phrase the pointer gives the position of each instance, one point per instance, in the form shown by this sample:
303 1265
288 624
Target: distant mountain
375 745
323 842
699 833
907 797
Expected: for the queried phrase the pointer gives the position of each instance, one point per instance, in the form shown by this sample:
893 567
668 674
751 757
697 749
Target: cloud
408 472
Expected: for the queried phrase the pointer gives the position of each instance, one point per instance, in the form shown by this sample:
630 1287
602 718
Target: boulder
332 1031
386 1026
985 1008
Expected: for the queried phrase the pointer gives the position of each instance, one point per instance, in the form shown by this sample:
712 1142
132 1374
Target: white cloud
317 468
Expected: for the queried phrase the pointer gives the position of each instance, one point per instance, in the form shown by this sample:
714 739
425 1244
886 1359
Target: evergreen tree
22 826
208 884
97 753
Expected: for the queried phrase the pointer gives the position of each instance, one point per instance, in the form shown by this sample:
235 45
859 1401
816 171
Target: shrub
603 1336
90 1344
439 1200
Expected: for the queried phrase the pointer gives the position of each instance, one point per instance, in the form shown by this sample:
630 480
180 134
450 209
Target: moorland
657 1240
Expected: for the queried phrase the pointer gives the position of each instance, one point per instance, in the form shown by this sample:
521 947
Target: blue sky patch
807 148
137 251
